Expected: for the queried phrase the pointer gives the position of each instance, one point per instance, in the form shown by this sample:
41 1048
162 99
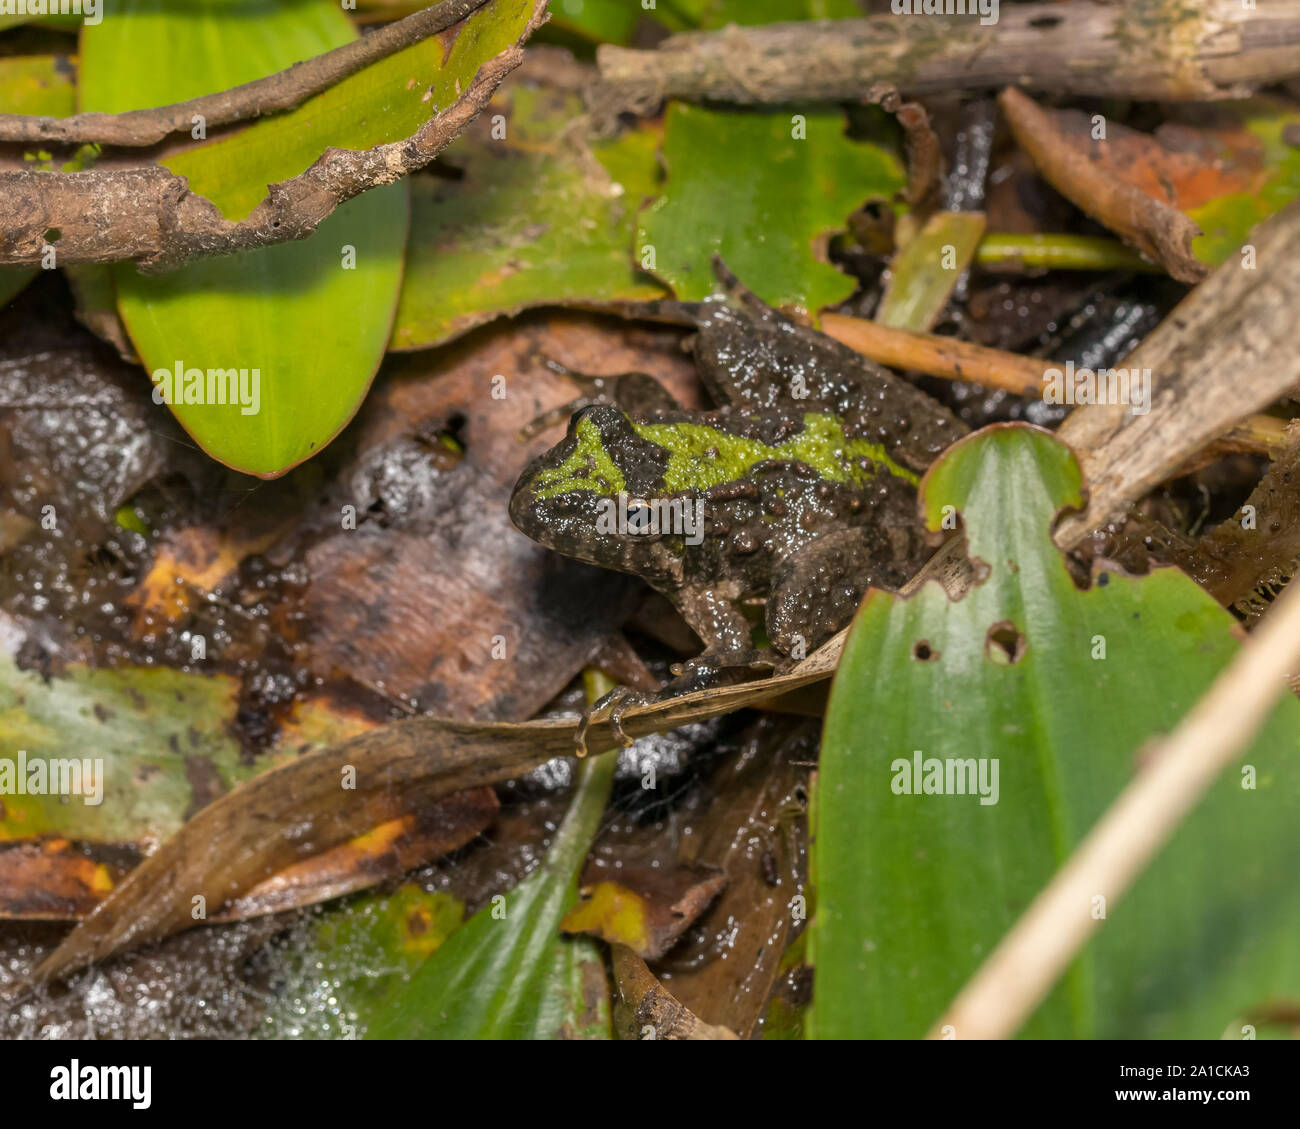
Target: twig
951 359
1166 50
150 216
1029 959
1065 160
269 95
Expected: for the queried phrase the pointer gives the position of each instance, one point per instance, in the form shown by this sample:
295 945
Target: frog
795 492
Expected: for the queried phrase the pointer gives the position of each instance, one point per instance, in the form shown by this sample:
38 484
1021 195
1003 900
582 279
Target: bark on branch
149 215
272 94
1150 49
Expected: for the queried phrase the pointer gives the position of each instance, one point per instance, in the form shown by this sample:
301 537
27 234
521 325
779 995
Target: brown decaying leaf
388 850
1061 146
52 880
647 908
413 604
725 967
1241 562
56 880
189 563
300 809
643 1009
924 155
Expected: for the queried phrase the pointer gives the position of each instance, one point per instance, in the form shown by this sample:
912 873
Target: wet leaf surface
1012 676
535 215
507 973
765 191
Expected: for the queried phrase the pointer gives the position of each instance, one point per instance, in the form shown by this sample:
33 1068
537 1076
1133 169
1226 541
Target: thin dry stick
1022 969
269 95
951 359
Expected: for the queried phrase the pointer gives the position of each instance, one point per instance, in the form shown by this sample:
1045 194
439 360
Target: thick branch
1151 49
269 95
150 216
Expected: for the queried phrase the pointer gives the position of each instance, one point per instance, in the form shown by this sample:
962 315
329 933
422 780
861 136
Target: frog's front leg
714 614
729 656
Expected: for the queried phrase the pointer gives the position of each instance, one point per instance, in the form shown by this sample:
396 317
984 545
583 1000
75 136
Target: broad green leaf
343 963
914 890
766 191
312 331
606 21
32 84
38 84
537 218
311 318
507 973
719 13
924 273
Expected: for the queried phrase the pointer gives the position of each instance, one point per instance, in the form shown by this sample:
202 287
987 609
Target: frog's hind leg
634 392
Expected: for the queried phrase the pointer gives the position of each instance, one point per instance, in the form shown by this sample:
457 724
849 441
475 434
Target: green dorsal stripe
700 457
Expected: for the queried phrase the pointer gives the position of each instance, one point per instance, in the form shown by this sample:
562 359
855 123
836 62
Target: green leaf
311 318
506 973
605 21
350 956
615 21
719 13
924 273
536 218
32 84
914 890
314 332
766 191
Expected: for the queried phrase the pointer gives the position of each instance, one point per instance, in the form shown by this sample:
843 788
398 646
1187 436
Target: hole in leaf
1044 21
1005 644
53 235
923 652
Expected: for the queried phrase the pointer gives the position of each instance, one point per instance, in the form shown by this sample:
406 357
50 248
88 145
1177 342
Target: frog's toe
616 703
719 668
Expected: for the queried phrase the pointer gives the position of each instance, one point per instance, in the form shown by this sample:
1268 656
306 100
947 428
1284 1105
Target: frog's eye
639 517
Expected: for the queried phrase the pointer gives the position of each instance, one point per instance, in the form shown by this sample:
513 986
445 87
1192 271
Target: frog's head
582 497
